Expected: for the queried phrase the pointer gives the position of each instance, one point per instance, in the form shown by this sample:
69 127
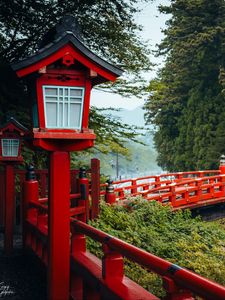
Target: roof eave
51 48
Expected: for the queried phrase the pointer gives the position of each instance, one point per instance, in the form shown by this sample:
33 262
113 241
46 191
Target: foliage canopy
108 28
186 102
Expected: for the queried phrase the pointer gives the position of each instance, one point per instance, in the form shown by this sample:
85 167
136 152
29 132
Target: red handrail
182 277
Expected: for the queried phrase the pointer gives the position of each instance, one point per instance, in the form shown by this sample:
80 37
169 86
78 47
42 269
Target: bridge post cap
222 160
82 173
109 187
30 174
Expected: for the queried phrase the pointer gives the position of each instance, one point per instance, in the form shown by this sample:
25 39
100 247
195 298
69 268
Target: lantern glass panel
63 106
10 147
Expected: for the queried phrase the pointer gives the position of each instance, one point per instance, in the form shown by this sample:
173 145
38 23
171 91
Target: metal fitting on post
83 188
110 196
30 174
222 164
110 187
82 173
222 160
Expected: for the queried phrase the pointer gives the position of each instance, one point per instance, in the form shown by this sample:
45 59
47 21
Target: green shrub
177 237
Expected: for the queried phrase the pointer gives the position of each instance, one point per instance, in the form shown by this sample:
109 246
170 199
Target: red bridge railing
180 190
92 278
177 282
105 279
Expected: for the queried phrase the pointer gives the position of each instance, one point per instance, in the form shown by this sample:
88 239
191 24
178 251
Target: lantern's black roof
63 33
17 124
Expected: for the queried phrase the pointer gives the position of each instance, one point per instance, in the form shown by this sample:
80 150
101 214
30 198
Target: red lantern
60 77
10 154
10 141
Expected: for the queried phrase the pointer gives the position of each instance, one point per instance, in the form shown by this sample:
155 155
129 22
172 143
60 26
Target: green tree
108 28
186 101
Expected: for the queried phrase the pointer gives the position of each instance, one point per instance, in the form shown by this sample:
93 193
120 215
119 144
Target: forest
184 102
184 121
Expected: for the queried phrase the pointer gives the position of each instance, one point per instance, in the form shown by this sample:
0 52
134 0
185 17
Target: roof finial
68 23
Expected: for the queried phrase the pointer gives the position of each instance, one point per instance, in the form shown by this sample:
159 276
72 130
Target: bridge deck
201 204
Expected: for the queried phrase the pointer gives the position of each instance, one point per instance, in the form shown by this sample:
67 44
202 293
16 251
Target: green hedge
177 237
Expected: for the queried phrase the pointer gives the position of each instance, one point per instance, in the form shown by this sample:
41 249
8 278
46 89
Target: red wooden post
201 174
157 181
110 196
174 292
59 226
30 194
222 187
78 244
9 207
2 197
134 186
172 197
95 187
112 265
21 181
180 176
199 191
83 188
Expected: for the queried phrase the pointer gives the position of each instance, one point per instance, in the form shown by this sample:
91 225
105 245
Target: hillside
142 160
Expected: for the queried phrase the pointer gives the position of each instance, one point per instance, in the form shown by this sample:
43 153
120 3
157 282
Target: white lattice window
10 147
63 106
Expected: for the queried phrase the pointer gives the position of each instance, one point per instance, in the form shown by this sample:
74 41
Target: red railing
180 193
122 188
187 192
94 278
42 177
177 282
105 278
134 186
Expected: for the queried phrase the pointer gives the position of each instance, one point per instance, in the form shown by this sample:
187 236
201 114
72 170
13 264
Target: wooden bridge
182 190
91 277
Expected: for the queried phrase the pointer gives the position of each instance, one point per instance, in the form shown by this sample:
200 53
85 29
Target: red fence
42 177
134 186
180 190
92 278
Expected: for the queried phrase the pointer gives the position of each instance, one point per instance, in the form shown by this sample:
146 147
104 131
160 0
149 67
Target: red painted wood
90 267
30 193
112 265
183 278
59 54
78 244
86 108
73 145
83 188
9 207
2 197
95 187
59 226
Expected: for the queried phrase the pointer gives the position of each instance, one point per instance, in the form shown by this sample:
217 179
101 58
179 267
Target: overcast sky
153 22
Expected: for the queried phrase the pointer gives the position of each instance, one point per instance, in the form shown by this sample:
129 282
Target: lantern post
59 78
10 155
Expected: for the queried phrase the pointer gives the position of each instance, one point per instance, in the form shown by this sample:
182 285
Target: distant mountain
143 158
131 117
